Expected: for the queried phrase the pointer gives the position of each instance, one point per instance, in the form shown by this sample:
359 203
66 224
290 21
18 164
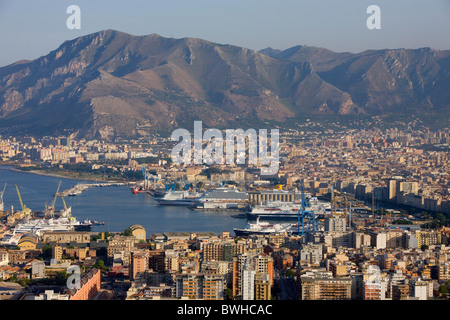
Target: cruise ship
279 210
223 198
178 198
38 226
265 228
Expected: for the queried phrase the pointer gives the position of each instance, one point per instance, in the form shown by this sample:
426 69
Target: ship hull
272 216
246 233
86 227
276 216
184 202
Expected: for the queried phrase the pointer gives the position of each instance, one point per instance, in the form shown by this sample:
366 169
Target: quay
80 187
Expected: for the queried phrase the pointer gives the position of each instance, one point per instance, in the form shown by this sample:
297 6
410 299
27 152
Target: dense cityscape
383 232
210 159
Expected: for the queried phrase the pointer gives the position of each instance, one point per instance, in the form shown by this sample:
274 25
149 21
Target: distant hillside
111 84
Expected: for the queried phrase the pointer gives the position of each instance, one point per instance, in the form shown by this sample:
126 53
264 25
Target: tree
426 214
61 278
229 293
24 282
290 273
424 247
401 221
127 232
46 252
441 218
13 278
100 264
209 171
443 290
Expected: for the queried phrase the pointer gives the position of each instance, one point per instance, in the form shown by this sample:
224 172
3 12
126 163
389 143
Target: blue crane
144 174
187 185
168 186
307 215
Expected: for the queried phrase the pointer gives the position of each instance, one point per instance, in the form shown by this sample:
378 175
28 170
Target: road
288 286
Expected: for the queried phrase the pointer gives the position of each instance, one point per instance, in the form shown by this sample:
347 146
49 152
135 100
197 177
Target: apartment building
245 268
90 285
4 257
428 237
139 263
57 252
262 287
220 251
323 286
372 290
419 289
121 245
200 286
335 224
66 237
311 253
37 269
158 262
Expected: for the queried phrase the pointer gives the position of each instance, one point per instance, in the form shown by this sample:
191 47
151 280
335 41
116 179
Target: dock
81 187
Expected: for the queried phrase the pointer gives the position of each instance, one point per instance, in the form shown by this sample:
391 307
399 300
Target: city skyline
398 251
152 120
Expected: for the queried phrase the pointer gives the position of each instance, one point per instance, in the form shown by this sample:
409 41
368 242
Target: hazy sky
32 28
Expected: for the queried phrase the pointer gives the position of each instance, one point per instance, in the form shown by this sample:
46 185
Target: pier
80 187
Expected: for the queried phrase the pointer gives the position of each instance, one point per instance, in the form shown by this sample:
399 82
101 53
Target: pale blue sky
32 28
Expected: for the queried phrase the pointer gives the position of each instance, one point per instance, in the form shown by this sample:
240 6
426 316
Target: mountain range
110 84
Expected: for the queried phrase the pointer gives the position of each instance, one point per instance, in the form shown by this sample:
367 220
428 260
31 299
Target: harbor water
116 206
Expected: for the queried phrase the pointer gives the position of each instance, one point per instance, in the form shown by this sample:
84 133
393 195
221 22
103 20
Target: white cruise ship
265 228
178 198
38 226
223 198
279 210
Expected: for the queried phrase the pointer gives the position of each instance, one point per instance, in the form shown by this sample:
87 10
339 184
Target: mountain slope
383 82
111 83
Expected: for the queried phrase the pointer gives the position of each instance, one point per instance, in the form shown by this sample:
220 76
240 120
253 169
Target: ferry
38 226
223 198
265 228
279 210
178 198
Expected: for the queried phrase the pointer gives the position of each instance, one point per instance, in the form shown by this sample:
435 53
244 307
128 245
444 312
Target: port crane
186 185
50 211
148 178
348 207
168 186
305 215
67 210
25 210
158 181
144 175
